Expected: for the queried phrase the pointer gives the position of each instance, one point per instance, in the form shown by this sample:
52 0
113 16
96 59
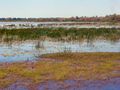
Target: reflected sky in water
32 49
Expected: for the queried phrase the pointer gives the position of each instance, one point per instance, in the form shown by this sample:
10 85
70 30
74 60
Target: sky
58 8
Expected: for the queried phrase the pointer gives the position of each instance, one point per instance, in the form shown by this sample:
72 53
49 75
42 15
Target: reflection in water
31 49
29 44
39 45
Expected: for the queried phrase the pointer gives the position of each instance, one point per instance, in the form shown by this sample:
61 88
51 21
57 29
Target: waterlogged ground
60 59
63 71
30 44
32 49
112 84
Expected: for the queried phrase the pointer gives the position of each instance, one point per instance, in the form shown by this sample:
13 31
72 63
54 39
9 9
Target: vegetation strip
60 34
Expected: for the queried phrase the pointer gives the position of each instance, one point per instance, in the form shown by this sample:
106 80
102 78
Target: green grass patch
60 34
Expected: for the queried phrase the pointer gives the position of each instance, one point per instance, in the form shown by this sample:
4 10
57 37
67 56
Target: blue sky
58 8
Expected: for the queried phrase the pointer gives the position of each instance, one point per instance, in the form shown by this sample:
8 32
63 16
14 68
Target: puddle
113 84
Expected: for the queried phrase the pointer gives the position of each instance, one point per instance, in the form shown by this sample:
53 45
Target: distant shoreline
108 18
20 25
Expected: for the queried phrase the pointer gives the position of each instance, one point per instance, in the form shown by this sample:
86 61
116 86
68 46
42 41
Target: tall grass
60 33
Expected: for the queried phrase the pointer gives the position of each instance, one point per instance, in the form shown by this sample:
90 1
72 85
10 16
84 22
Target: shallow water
113 84
55 24
32 49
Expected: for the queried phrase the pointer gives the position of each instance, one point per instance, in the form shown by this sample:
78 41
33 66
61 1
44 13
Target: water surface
32 49
113 84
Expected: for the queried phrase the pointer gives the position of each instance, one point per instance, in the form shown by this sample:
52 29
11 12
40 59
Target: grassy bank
62 66
60 34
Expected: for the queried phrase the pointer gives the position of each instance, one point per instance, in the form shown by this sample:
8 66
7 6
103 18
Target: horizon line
64 16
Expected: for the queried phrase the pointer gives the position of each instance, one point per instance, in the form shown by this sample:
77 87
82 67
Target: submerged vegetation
62 66
60 34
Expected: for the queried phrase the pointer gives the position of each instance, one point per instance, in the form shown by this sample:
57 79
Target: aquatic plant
63 34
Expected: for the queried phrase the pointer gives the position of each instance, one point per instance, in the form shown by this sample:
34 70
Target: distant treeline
107 18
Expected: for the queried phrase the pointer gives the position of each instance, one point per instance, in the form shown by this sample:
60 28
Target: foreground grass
62 66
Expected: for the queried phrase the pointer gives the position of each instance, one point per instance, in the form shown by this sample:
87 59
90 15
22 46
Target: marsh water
112 84
56 24
32 49
29 44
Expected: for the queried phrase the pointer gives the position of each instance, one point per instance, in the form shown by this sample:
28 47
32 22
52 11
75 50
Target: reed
60 34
